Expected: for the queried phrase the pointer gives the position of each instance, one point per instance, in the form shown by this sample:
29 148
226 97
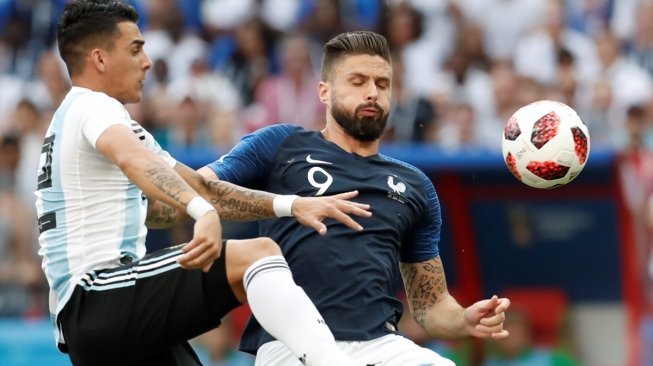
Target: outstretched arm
435 310
237 203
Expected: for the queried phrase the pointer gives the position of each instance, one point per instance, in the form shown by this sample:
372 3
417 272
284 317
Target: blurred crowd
223 68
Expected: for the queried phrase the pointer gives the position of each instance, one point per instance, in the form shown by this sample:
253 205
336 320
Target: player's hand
206 245
311 211
484 319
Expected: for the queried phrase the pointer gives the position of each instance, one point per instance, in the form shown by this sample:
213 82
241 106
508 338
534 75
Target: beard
364 129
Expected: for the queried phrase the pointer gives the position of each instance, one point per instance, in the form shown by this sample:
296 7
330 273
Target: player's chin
134 97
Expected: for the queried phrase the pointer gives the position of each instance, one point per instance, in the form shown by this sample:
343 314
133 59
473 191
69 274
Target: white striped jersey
90 214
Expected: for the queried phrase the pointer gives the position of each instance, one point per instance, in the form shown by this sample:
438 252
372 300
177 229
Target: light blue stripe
56 239
132 222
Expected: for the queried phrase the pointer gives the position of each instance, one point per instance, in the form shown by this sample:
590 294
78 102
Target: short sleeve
101 112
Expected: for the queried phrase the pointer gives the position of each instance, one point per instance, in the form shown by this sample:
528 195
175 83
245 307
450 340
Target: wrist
197 207
282 205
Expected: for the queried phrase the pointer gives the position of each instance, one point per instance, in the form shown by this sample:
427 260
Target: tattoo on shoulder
425 284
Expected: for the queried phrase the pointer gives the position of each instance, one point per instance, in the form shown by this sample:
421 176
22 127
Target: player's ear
323 91
97 58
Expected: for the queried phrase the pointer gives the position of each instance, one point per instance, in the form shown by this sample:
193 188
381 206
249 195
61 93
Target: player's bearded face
357 125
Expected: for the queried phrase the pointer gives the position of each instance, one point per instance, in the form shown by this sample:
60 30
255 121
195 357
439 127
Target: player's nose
147 62
372 92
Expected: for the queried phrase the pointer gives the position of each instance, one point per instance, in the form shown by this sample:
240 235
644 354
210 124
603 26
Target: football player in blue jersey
351 276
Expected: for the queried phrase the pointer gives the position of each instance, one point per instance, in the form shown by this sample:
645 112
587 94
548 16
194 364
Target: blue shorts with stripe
143 313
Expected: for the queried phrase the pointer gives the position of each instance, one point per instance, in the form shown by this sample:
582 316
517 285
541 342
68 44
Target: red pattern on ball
548 170
545 129
580 143
512 165
512 130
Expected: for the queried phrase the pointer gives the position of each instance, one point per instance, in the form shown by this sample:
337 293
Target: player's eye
357 81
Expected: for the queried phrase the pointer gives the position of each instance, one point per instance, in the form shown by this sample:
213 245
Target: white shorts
389 350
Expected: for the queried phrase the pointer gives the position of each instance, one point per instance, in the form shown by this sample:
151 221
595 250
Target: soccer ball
545 144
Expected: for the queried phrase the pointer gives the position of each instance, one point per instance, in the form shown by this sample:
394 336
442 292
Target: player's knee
264 247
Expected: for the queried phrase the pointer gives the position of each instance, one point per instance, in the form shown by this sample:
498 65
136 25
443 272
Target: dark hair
88 23
353 43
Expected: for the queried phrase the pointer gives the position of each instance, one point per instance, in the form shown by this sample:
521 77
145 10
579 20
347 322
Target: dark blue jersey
350 276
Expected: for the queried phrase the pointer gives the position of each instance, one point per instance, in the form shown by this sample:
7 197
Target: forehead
129 32
367 65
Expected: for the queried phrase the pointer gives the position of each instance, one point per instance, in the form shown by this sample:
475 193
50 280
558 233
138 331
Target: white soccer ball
545 144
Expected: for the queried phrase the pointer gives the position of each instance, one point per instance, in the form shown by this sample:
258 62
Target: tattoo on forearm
162 216
172 185
235 203
425 284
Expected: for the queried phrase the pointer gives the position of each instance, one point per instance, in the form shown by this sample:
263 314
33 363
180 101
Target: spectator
636 175
505 86
459 130
321 22
566 86
595 108
52 82
618 72
639 47
223 16
281 15
412 118
460 84
251 60
503 23
173 41
157 105
421 57
30 126
536 54
20 273
215 101
590 17
290 96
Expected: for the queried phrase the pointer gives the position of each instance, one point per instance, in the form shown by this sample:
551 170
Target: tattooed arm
430 303
159 181
435 310
156 178
234 203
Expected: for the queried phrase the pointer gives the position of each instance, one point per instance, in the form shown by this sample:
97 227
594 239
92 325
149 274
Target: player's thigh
395 350
240 255
277 354
390 350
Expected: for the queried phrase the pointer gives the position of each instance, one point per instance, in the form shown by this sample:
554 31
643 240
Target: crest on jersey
397 188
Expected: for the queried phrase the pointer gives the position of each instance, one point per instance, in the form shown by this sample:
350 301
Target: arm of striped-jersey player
143 167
